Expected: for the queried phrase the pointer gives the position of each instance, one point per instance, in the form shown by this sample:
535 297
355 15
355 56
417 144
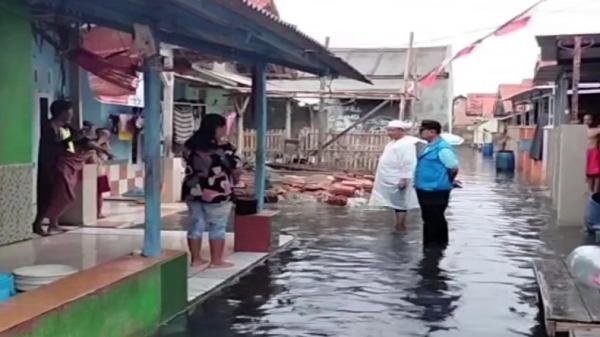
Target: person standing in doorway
393 187
593 153
61 160
211 173
437 168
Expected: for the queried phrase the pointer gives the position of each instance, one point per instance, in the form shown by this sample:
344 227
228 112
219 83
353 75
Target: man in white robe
393 188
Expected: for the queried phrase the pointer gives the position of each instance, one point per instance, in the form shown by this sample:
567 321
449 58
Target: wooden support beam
322 116
259 103
288 118
407 77
576 79
152 157
363 119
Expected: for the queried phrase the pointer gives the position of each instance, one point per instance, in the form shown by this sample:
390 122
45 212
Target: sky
387 23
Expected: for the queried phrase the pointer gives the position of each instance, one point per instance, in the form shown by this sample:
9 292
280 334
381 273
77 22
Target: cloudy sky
387 23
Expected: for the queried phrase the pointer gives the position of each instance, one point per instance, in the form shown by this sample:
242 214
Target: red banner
517 23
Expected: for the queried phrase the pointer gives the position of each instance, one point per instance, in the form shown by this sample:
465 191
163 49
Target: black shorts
400 211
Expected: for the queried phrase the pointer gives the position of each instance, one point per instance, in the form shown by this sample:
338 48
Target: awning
232 29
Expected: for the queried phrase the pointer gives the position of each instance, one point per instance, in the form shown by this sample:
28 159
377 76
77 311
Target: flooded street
349 275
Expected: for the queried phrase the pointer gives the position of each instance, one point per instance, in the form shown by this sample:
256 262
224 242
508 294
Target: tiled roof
505 91
481 104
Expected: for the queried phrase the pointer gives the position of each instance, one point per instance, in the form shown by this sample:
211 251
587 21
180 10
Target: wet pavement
349 275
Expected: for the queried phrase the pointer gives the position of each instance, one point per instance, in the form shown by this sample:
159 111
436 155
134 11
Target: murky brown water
349 275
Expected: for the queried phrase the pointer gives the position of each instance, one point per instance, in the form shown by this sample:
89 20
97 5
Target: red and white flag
513 25
519 22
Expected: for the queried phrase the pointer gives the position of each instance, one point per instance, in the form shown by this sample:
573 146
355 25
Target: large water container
505 161
488 150
592 214
7 286
584 264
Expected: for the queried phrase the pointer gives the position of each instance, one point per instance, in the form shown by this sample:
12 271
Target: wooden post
407 77
288 118
322 116
152 157
576 80
259 102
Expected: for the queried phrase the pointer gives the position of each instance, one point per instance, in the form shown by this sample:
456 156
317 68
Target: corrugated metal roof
211 26
293 34
390 61
384 67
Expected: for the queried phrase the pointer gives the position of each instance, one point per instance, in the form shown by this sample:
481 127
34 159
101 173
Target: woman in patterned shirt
212 171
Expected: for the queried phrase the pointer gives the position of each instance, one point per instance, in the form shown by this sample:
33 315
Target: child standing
104 152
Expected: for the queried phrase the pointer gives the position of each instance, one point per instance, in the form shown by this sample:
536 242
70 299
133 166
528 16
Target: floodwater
349 275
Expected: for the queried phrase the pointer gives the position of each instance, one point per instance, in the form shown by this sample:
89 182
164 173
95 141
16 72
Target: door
41 116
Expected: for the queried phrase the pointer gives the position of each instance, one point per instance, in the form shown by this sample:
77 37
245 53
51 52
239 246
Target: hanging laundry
184 123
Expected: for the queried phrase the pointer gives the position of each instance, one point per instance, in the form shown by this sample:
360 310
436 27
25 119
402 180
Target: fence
354 151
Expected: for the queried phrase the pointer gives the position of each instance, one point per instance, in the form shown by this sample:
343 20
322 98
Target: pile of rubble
334 189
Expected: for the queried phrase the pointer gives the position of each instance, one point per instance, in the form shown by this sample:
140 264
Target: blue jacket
431 173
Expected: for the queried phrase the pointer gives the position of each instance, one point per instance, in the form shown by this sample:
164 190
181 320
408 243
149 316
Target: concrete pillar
572 188
152 155
173 172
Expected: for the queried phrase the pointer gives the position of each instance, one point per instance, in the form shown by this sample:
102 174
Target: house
473 108
503 106
384 67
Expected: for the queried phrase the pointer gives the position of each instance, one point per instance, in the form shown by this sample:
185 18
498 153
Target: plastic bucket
488 150
592 213
505 161
7 286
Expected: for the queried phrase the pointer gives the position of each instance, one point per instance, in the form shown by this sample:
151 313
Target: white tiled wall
16 202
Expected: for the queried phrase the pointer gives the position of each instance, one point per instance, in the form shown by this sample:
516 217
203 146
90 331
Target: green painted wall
16 84
134 307
174 287
129 309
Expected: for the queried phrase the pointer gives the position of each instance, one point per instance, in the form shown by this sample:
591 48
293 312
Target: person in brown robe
60 164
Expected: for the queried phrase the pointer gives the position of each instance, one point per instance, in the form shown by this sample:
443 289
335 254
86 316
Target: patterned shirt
209 174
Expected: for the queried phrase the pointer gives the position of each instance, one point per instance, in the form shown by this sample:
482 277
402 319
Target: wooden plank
559 295
593 332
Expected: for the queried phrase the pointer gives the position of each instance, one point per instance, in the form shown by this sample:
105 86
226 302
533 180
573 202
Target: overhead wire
538 12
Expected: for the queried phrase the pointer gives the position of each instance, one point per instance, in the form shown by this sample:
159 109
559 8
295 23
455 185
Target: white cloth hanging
184 124
398 161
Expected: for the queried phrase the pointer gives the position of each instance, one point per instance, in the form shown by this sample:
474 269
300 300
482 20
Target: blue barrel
505 161
592 213
488 150
7 286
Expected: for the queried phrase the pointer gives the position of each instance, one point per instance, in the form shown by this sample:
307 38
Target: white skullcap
398 124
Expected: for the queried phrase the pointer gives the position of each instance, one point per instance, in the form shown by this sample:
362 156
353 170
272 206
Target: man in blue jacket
437 168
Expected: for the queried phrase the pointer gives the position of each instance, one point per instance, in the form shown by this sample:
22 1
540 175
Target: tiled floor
126 214
87 247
